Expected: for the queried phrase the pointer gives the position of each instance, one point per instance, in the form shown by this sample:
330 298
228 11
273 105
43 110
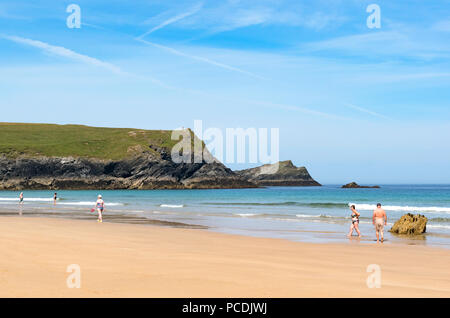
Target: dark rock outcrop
143 171
410 224
283 173
354 185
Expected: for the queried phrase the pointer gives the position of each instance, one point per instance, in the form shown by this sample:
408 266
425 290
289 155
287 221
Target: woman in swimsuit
355 222
99 206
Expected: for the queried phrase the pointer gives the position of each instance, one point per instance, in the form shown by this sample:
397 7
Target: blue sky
352 103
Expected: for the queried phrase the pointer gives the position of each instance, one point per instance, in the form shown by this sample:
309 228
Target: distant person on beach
99 206
355 222
55 197
379 220
21 198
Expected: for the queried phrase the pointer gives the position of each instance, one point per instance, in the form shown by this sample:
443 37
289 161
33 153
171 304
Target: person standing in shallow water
379 220
55 197
99 206
355 222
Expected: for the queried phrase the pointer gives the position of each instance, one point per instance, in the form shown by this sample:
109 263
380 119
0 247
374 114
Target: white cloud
172 20
199 58
231 15
401 43
242 18
300 109
356 42
443 26
391 77
366 111
69 54
63 52
94 26
6 14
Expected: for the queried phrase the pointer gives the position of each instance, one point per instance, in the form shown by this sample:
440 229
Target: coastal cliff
283 173
42 156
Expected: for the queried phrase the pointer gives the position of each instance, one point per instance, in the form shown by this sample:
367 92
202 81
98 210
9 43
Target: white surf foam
27 199
313 216
87 203
172 205
59 202
438 226
431 209
245 214
307 216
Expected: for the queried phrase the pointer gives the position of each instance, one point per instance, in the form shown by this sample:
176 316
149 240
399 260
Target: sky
352 103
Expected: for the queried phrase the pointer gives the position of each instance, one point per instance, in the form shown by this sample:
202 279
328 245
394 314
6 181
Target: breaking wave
172 205
431 209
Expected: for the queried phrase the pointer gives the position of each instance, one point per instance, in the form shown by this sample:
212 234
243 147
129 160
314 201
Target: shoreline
128 260
305 231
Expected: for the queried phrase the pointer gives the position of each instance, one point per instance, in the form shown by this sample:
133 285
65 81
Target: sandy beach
126 260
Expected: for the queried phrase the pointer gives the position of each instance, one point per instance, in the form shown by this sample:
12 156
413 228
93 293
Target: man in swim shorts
379 220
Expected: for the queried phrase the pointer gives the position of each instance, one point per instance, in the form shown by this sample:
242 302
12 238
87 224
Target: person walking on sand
99 206
379 220
21 198
355 222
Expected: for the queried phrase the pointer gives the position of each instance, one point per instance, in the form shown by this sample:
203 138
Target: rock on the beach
410 224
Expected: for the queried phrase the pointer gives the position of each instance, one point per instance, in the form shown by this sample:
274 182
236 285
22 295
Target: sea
303 214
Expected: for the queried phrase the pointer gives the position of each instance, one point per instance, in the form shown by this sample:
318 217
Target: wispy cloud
443 26
72 55
226 16
174 19
300 109
200 59
63 52
366 111
240 19
94 26
391 77
409 43
6 14
356 42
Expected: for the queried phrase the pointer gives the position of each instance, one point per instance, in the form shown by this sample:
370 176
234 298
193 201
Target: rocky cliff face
283 173
50 156
144 171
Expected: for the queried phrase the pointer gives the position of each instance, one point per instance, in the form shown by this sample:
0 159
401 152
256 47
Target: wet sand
132 260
